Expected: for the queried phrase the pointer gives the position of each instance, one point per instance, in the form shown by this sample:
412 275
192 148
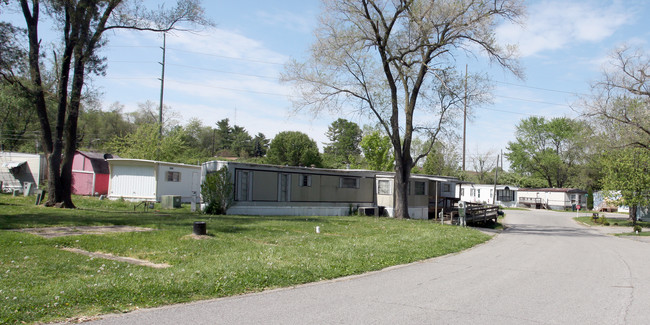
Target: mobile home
552 198
506 195
18 168
287 190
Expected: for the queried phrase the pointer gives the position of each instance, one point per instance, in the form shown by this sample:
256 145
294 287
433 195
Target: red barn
90 173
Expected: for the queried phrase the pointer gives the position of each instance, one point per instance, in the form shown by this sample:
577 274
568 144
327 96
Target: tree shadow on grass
54 217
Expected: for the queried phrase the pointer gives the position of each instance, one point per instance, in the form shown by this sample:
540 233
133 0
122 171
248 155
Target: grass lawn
613 222
40 282
516 209
644 234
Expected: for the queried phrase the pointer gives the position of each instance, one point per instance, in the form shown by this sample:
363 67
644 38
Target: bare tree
391 60
620 101
483 163
82 25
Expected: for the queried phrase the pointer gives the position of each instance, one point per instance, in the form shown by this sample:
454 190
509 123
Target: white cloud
290 20
227 43
552 25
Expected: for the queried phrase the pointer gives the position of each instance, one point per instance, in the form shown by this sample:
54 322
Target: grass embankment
40 282
616 222
613 222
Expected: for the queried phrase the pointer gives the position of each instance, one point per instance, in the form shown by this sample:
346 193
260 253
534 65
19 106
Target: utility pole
501 158
496 175
214 131
162 86
465 119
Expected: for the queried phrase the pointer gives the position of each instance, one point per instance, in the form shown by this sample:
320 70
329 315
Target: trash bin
199 228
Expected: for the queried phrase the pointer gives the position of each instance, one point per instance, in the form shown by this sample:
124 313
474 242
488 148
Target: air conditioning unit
170 201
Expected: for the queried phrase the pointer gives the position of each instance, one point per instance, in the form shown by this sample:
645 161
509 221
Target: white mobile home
17 168
148 180
552 198
506 195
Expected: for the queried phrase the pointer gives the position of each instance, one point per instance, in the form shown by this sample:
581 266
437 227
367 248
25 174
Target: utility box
170 201
28 188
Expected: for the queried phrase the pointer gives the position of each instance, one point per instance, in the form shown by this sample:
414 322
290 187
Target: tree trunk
632 215
402 176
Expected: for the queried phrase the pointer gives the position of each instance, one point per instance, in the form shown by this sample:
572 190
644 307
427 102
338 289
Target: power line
203 53
540 88
228 57
533 101
222 71
234 89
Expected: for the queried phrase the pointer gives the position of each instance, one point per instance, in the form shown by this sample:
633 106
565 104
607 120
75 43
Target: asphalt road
544 269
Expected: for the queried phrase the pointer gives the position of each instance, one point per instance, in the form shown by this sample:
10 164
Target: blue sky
231 70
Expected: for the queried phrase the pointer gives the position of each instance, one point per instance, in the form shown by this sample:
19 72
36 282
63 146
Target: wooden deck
476 213
532 202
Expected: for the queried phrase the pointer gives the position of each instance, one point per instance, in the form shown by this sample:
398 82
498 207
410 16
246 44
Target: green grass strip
41 282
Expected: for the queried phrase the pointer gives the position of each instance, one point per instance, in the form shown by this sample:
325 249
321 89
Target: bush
603 221
217 190
637 228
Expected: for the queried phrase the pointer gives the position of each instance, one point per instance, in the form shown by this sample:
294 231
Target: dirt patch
107 256
50 232
197 237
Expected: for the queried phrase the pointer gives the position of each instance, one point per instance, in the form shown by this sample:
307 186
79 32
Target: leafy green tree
442 160
260 145
97 127
293 148
82 25
223 135
148 112
216 191
199 138
12 54
377 151
242 143
628 171
145 143
344 137
551 150
17 118
519 180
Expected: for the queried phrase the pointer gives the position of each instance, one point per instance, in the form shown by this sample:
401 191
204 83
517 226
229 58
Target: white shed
148 180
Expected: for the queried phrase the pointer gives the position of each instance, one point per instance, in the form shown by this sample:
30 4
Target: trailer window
383 187
420 188
173 176
349 182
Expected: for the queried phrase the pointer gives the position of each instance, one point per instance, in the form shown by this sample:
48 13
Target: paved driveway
545 269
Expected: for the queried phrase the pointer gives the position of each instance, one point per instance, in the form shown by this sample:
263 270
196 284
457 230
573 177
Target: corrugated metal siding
133 182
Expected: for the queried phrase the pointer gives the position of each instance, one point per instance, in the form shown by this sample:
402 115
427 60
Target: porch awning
13 164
